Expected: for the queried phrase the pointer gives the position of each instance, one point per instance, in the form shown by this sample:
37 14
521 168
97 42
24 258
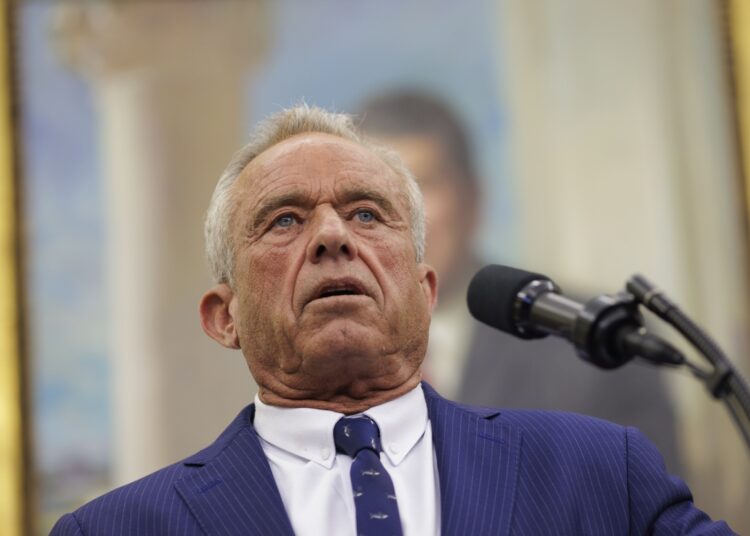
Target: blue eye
286 220
365 216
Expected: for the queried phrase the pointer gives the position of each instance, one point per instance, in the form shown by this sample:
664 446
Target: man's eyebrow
366 194
293 199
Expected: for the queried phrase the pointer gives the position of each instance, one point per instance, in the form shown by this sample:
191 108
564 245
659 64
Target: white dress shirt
314 480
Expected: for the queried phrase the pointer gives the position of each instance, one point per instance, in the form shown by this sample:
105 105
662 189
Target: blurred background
585 139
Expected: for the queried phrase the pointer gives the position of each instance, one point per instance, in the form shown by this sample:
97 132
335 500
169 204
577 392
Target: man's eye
286 220
365 216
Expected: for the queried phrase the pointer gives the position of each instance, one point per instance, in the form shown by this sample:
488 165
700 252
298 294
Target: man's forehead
304 148
302 160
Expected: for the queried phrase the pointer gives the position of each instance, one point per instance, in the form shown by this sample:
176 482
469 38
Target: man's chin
343 334
348 315
342 343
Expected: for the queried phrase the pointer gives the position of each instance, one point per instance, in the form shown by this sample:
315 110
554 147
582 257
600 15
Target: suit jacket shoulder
541 472
227 488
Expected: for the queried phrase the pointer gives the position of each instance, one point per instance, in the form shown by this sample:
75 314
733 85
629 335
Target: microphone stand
724 382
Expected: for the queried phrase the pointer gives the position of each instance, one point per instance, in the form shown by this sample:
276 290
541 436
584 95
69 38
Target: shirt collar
402 423
308 432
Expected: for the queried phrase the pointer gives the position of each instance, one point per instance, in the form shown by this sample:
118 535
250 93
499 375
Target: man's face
329 300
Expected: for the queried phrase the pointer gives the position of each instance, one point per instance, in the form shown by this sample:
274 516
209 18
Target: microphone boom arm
724 382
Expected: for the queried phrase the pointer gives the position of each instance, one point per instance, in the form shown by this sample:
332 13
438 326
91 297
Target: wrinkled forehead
308 161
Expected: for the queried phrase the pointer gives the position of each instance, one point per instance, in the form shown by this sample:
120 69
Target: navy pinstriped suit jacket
509 472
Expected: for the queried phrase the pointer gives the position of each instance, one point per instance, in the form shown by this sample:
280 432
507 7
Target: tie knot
352 434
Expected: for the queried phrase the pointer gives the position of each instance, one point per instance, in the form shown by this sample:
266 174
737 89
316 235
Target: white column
170 85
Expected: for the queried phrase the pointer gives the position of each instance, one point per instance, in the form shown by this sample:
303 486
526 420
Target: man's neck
351 402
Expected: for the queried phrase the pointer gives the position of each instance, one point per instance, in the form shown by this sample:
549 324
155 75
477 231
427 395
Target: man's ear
217 317
429 282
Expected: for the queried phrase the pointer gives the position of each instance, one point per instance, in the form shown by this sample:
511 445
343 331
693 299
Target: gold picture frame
12 458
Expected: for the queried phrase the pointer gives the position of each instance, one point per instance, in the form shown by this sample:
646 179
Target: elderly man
315 237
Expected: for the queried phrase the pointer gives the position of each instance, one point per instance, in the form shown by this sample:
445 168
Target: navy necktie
374 497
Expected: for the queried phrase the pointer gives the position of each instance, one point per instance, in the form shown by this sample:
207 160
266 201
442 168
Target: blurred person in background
467 360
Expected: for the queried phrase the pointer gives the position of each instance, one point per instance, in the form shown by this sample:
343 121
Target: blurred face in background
451 211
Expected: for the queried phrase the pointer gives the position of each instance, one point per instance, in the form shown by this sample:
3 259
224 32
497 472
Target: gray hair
278 127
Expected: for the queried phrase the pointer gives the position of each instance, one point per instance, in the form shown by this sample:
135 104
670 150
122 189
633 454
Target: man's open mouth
338 288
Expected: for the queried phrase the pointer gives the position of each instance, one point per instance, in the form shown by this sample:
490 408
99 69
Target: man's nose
331 237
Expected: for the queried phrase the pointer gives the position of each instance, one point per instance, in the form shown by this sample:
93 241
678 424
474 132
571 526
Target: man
468 361
315 237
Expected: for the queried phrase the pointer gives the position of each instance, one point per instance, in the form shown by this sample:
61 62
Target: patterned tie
374 497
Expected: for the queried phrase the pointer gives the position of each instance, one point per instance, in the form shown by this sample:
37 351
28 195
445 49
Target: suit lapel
477 460
232 489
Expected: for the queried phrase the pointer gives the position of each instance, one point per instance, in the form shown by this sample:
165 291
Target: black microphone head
493 293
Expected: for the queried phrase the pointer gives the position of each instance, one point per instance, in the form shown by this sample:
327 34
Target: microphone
607 331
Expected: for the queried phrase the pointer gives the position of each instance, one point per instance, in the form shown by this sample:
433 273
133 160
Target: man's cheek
393 254
264 273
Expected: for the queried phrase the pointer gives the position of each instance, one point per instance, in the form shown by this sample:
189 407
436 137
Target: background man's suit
519 472
504 371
